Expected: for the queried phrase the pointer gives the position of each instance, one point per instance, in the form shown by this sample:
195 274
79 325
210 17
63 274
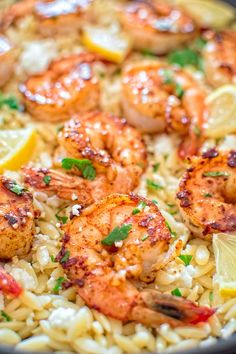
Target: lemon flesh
224 246
16 147
111 46
221 106
212 14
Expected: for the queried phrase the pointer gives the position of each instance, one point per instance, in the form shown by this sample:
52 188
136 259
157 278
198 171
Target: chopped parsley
153 185
211 297
147 52
119 233
5 316
179 90
53 258
139 208
58 284
207 195
9 101
197 130
85 166
216 174
156 166
200 43
185 57
63 219
186 258
65 257
176 292
155 201
172 209
144 237
15 188
168 78
47 179
173 233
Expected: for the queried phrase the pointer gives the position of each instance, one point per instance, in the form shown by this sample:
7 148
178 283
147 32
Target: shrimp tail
176 311
8 285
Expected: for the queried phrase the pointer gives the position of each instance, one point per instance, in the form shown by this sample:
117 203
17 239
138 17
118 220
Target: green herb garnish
200 43
9 101
206 195
148 52
179 91
65 257
15 188
139 208
211 297
153 185
47 180
62 219
168 77
85 166
144 237
6 317
155 201
58 284
119 233
53 258
176 292
186 258
197 130
185 57
156 166
216 174
173 233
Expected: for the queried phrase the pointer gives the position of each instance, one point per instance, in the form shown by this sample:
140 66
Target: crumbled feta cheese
75 210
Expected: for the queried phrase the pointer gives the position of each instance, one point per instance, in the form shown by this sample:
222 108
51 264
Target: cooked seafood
155 25
112 244
69 86
52 16
114 148
7 59
207 193
16 219
156 97
219 56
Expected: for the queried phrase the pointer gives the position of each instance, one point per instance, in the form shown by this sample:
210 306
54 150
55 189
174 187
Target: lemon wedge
221 106
212 14
224 246
16 147
111 46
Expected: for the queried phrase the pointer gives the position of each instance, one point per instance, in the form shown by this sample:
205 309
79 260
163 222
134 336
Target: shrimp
7 59
158 26
113 250
114 148
52 16
207 193
16 219
69 86
219 55
156 97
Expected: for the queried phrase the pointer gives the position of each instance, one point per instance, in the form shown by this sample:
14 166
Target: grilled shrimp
158 26
207 193
16 219
52 16
113 250
7 59
219 56
114 148
156 97
69 86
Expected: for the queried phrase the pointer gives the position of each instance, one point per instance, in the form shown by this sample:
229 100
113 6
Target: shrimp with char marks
157 97
157 26
114 148
113 250
52 16
207 193
219 55
69 86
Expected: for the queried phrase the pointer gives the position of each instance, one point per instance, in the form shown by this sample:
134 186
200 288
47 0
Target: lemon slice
111 46
213 14
224 246
221 106
16 147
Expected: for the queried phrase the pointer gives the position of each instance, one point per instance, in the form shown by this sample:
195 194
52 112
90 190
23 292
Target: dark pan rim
222 346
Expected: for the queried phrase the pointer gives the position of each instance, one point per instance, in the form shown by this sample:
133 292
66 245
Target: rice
43 319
